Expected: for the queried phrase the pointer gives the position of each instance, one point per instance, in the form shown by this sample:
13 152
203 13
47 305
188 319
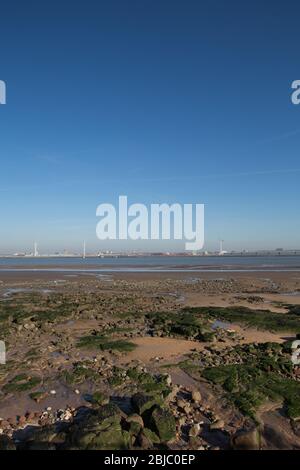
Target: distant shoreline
270 254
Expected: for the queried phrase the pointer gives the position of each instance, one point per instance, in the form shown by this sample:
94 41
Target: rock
142 403
219 424
100 429
168 380
247 440
163 423
100 399
194 430
181 403
4 424
172 394
181 421
64 415
135 418
147 438
30 416
22 420
196 396
38 396
136 424
42 436
187 408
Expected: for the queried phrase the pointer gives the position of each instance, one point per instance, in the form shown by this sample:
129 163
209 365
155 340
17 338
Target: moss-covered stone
142 403
101 429
163 423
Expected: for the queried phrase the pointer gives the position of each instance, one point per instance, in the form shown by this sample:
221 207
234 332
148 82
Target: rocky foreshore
94 364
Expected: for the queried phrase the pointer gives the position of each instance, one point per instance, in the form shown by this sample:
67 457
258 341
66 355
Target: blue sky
161 100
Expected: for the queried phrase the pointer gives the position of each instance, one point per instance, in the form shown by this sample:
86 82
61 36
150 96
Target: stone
247 440
181 421
147 438
4 424
143 441
181 403
219 424
100 429
22 420
43 435
163 423
168 379
135 418
172 394
187 409
100 399
194 430
142 403
196 396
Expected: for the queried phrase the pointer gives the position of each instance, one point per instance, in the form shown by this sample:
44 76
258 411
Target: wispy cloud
283 136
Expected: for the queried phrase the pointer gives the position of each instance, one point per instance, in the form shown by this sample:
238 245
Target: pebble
219 424
194 430
181 403
22 420
196 396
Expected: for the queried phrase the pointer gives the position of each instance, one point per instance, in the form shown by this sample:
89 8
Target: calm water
157 263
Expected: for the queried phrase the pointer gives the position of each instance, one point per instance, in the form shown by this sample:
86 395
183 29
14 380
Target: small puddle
294 293
20 290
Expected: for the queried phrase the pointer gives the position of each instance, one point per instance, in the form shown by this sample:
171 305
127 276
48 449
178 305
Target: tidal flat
149 361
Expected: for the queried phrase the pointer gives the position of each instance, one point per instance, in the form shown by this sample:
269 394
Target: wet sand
44 272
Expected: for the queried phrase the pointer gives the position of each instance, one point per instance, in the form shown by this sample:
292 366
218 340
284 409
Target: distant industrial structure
35 250
221 251
82 253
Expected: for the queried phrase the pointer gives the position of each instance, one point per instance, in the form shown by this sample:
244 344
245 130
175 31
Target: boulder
142 403
247 440
147 438
163 423
100 429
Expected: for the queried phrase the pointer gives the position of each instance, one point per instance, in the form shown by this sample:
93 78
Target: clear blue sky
161 100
